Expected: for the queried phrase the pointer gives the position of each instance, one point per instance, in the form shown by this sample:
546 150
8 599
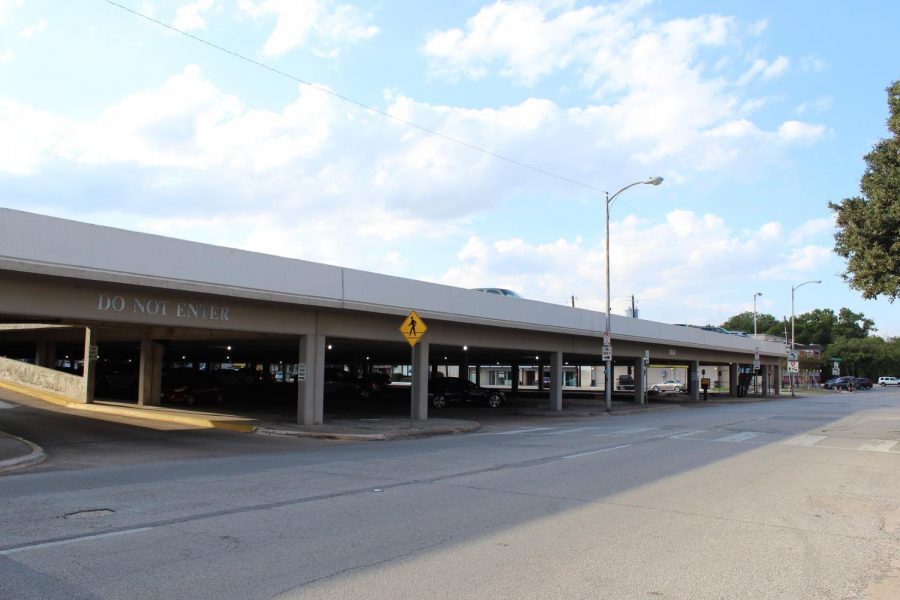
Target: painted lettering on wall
154 307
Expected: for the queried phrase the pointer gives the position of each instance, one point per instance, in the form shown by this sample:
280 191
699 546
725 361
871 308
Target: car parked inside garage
444 390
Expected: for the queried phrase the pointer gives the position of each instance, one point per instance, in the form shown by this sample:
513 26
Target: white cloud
28 135
765 70
6 57
817 106
7 7
796 131
192 16
673 257
331 24
30 31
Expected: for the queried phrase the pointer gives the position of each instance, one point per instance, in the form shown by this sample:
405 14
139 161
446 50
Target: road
794 498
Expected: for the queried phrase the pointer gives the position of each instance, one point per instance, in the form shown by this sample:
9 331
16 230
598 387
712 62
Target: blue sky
756 114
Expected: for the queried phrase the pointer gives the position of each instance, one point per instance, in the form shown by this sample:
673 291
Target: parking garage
121 313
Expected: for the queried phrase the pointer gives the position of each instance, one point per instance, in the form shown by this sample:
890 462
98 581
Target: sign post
413 328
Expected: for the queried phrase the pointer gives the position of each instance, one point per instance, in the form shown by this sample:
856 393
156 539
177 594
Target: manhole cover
87 514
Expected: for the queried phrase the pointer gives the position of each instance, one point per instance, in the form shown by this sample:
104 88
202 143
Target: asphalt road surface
794 498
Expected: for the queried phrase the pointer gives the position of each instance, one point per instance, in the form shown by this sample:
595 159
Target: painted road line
73 540
570 430
625 431
686 434
878 445
739 437
518 431
580 454
804 440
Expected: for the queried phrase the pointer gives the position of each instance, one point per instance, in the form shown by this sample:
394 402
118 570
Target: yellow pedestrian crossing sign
413 328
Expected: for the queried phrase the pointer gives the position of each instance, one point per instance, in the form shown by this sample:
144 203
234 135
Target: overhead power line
408 123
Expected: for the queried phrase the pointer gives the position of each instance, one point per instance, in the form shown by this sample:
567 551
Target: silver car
669 385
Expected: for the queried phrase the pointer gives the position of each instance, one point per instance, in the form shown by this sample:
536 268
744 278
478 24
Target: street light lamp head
654 181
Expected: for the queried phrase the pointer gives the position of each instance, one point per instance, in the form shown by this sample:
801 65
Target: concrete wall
42 378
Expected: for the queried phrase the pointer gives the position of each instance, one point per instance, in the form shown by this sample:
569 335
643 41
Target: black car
625 383
190 387
840 383
443 390
342 385
863 383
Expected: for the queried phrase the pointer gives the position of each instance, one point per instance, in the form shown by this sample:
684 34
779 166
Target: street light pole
754 312
794 289
609 201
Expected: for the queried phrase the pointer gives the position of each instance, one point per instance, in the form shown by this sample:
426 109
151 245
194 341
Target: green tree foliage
869 357
815 327
765 323
852 325
869 225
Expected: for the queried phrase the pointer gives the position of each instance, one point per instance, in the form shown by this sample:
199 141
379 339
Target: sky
467 143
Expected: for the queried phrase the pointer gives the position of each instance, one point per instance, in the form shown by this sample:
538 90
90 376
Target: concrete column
90 364
311 387
514 374
150 372
765 380
694 379
419 390
540 377
556 360
45 354
733 380
776 376
477 374
639 385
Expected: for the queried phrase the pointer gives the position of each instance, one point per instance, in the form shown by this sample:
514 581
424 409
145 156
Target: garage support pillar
514 376
556 360
419 390
733 380
776 379
765 381
45 354
90 365
311 380
150 372
694 380
640 386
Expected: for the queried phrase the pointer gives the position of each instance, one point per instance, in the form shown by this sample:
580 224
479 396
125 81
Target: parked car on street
886 380
444 390
840 383
670 385
863 383
190 387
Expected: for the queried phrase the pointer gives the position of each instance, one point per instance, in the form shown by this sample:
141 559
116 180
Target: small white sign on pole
607 353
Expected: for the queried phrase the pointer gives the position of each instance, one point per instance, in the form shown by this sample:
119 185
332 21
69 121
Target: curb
239 425
35 456
369 437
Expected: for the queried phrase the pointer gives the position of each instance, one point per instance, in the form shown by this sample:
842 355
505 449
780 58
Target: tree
868 225
765 323
852 325
815 326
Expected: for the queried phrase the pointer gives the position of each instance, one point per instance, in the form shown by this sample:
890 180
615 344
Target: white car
669 385
888 381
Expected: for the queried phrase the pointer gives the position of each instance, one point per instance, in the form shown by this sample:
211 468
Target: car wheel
655 388
438 401
494 400
365 394
219 398
189 400
676 389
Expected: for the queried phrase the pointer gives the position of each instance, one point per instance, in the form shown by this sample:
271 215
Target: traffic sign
756 364
413 328
793 366
793 355
607 341
607 353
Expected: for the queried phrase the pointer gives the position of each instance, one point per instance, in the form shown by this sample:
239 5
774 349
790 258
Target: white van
888 381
